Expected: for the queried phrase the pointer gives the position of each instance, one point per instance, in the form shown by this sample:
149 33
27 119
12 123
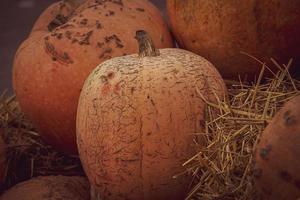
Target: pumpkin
221 30
277 164
50 66
2 158
50 188
136 118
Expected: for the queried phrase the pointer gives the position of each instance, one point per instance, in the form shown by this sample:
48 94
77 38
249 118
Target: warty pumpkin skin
50 67
277 163
135 122
221 30
50 188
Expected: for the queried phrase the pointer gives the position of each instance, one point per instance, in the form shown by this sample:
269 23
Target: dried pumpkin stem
146 45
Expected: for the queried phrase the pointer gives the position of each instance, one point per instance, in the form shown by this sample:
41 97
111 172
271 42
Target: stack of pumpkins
131 118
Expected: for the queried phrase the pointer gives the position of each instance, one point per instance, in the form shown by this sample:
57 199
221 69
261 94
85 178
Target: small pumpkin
221 30
277 163
136 118
50 188
51 65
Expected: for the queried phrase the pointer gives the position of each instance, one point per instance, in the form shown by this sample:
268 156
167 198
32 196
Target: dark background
16 19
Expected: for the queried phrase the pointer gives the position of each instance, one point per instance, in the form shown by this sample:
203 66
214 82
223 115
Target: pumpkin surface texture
277 165
51 65
136 118
221 30
50 188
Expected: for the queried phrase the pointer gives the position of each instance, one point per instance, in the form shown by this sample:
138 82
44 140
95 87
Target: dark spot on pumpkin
104 79
46 38
289 120
149 133
100 44
121 9
57 55
104 55
284 175
119 45
57 21
140 9
132 90
59 36
74 40
118 2
264 152
110 12
84 21
86 38
98 25
124 54
80 15
68 34
193 41
111 75
257 173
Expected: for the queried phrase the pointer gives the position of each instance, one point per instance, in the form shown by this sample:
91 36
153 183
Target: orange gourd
51 64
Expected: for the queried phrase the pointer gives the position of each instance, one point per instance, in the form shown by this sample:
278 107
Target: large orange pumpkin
277 164
220 30
136 120
50 66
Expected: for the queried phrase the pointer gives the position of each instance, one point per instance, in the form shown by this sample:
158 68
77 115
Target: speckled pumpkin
56 15
221 30
50 67
277 163
136 119
50 188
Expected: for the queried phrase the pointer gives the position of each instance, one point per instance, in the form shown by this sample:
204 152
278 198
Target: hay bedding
222 168
27 155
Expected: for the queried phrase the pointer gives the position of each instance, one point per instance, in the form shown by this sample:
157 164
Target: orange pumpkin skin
221 30
277 163
50 67
135 123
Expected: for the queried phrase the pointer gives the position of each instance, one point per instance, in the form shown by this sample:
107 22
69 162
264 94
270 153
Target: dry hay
27 155
223 167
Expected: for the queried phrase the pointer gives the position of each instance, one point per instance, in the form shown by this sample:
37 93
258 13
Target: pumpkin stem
146 45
